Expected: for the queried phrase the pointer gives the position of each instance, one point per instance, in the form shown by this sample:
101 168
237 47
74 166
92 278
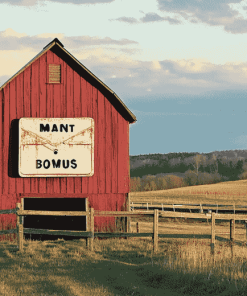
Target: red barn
53 85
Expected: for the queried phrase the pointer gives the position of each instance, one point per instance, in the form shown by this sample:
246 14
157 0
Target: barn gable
58 49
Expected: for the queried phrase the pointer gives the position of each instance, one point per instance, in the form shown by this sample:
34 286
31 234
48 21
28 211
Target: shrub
174 181
218 178
135 184
243 176
190 178
205 178
161 183
148 183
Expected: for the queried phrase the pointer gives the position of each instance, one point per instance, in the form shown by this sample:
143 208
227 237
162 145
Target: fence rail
51 213
201 207
89 234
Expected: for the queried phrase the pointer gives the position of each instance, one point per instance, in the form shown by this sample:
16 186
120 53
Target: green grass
123 267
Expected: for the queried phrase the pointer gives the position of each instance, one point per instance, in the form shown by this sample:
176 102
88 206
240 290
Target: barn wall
29 95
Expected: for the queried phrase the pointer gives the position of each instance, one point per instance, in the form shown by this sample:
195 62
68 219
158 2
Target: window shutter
54 73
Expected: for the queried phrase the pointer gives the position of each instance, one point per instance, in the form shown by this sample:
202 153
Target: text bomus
56 163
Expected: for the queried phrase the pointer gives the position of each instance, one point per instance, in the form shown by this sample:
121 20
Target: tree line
202 172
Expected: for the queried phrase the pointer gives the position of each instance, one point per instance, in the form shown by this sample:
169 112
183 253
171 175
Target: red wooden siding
30 95
6 127
1 143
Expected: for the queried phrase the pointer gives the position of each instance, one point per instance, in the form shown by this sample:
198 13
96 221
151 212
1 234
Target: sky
179 65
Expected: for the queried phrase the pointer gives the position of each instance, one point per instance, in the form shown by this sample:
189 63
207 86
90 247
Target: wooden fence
200 207
89 234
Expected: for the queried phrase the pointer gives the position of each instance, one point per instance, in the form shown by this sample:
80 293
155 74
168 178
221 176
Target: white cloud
131 76
10 39
156 65
11 61
11 33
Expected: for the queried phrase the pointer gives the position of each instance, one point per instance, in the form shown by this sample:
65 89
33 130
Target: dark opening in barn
54 222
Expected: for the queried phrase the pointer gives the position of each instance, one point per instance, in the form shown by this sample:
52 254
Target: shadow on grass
67 268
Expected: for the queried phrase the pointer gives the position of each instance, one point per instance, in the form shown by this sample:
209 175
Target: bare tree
197 162
214 161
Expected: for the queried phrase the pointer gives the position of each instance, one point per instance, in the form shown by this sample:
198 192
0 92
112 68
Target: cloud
20 2
130 20
149 17
4 78
154 17
34 2
82 1
156 65
17 49
138 78
111 61
11 40
214 13
77 41
10 32
238 26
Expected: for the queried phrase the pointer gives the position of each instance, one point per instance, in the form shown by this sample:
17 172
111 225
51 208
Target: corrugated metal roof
131 117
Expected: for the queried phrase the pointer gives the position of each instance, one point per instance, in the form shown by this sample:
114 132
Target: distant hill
229 163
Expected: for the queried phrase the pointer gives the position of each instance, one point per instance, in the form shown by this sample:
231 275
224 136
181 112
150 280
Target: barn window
54 73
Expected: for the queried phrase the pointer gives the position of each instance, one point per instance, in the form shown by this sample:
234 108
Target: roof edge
103 84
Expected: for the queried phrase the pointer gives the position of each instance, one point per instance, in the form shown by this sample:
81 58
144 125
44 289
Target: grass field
123 267
221 193
129 266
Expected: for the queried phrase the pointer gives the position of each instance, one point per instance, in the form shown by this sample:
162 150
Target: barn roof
57 47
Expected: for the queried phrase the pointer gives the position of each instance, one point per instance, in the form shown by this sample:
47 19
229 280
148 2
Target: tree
215 163
198 160
148 183
174 181
243 176
161 183
135 184
190 178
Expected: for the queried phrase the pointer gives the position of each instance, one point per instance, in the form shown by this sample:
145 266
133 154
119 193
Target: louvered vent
54 73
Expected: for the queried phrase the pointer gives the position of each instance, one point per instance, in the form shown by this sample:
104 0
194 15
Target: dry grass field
123 267
182 266
221 193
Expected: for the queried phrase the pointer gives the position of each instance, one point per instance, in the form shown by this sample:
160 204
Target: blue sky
179 65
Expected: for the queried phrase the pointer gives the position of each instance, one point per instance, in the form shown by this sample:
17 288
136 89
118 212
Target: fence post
245 223
212 231
155 235
201 210
91 228
128 217
20 229
138 230
87 226
232 230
